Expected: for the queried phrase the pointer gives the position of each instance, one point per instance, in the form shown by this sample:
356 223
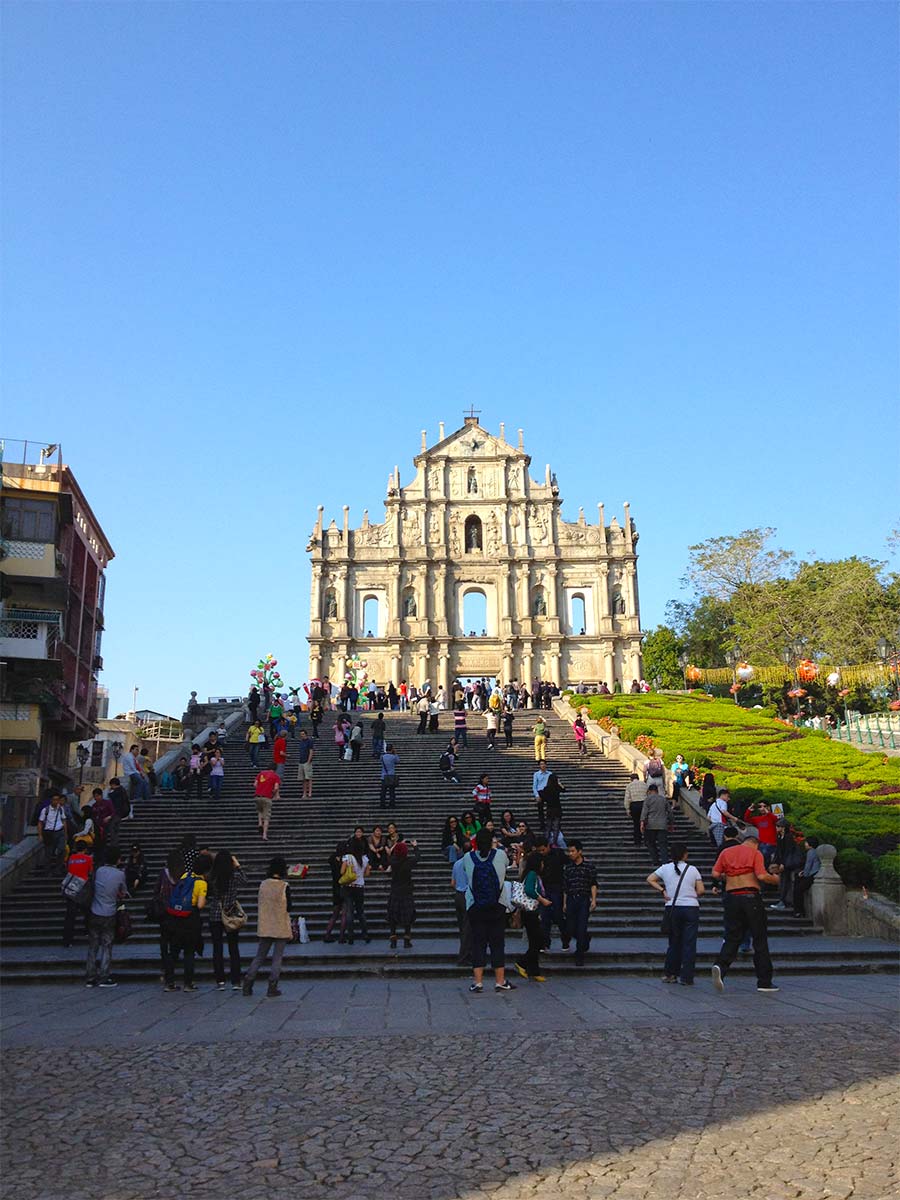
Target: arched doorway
370 617
579 614
474 613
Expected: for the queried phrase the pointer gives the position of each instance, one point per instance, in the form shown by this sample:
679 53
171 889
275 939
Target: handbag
348 876
521 899
233 918
299 932
123 929
666 925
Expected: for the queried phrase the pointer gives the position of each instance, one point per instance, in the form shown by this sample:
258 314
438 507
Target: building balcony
28 639
34 559
20 723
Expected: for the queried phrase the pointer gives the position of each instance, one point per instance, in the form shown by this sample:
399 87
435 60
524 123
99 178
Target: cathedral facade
472 532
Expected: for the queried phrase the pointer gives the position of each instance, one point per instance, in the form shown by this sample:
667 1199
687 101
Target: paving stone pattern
518 1096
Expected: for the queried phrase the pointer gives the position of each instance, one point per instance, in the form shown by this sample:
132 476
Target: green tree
720 566
704 628
660 653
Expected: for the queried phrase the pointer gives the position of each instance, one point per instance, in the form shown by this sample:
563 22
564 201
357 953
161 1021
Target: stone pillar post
609 668
630 592
603 596
444 671
315 593
395 669
828 896
394 615
507 665
315 666
527 674
554 665
341 669
440 600
552 595
345 604
422 655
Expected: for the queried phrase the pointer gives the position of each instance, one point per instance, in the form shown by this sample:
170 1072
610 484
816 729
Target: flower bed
831 789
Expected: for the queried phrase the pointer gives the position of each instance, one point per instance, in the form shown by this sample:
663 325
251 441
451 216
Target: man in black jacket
553 868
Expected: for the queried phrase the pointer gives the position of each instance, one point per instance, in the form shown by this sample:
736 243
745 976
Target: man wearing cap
743 869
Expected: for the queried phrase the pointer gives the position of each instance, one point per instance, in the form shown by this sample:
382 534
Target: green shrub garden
844 796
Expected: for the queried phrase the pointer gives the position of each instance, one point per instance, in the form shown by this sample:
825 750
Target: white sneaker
718 982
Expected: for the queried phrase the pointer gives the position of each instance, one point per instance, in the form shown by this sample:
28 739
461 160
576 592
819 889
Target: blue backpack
485 882
181 898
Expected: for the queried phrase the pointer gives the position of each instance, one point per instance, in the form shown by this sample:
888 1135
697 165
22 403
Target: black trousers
488 927
219 935
530 961
634 811
465 930
745 913
658 844
70 919
388 797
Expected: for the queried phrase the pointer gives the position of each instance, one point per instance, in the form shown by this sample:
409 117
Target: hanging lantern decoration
693 674
894 706
833 679
734 689
807 670
844 692
744 672
797 693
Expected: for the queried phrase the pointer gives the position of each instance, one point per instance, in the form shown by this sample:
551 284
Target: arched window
330 605
370 616
474 613
409 603
539 603
473 534
472 482
579 614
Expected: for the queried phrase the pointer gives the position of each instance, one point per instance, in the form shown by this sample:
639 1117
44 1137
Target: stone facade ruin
560 597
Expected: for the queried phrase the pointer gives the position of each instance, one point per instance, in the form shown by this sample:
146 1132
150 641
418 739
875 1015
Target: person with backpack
273 926
490 724
185 902
485 868
401 907
155 909
109 890
79 869
355 869
226 878
356 741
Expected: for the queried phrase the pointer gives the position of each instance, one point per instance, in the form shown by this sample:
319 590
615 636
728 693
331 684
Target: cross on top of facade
471 417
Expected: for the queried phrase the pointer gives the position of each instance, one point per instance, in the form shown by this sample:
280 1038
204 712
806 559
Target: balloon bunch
833 679
356 674
265 674
745 672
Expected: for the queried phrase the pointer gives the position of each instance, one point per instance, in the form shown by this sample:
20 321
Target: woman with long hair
225 879
470 825
274 926
453 840
529 964
356 860
378 851
335 866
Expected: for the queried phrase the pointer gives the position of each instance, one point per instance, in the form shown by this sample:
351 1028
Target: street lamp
82 754
116 749
889 656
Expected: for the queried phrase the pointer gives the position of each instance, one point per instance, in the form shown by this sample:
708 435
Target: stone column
828 896
440 599
635 659
609 668
422 656
315 666
395 669
345 603
341 669
603 597
527 674
554 665
507 665
630 591
552 597
444 671
315 593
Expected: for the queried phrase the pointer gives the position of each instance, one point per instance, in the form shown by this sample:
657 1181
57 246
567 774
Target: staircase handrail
171 757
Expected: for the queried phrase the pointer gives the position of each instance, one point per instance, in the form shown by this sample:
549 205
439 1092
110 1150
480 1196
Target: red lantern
806 670
693 674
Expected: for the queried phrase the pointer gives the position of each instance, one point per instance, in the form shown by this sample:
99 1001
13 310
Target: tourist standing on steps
137 781
529 964
109 889
655 824
485 869
356 741
481 794
460 731
490 723
508 727
539 730
378 730
580 730
225 880
80 867
422 710
719 815
401 907
355 863
267 788
460 885
434 713
315 719
551 794
195 779
635 795
256 737
538 783
186 902
681 887
306 752
273 927
553 874
279 753
51 824
743 869
389 764
338 915
253 704
580 884
216 775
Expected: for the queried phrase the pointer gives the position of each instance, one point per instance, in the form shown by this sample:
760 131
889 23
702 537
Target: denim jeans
54 846
138 786
377 747
452 853
462 736
682 951
355 909
578 910
554 915
100 942
215 785
254 753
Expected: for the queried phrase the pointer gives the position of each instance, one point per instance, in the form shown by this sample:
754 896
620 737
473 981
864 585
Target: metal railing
869 729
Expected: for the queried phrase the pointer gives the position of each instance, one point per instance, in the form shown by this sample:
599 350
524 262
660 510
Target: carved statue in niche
455 547
330 605
473 533
539 607
411 528
493 534
618 602
472 482
434 479
515 479
409 604
434 528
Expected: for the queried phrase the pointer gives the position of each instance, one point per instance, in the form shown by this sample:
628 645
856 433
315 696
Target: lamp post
889 656
683 661
790 655
82 754
116 749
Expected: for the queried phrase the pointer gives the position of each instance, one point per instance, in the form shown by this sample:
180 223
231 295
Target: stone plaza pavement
626 1088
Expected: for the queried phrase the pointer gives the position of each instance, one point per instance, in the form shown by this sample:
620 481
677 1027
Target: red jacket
279 749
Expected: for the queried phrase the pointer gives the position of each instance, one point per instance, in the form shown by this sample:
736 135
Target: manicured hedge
887 875
844 796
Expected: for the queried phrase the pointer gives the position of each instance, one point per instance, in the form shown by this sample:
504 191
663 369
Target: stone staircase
625 927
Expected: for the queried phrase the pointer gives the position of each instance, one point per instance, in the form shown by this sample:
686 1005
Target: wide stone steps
628 914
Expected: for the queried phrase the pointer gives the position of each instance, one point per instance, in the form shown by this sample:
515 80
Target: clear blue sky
250 250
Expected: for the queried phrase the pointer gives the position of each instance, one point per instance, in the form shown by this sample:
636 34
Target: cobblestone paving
635 1111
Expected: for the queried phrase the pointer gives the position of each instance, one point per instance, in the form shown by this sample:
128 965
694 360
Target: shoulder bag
666 926
233 918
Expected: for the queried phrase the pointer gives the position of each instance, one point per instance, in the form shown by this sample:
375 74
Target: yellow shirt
254 734
199 891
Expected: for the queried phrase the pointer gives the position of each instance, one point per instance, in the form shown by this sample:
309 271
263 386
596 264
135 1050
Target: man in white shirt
681 887
52 830
719 816
538 783
422 709
137 782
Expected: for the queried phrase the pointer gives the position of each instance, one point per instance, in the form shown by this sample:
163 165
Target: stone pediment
472 443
